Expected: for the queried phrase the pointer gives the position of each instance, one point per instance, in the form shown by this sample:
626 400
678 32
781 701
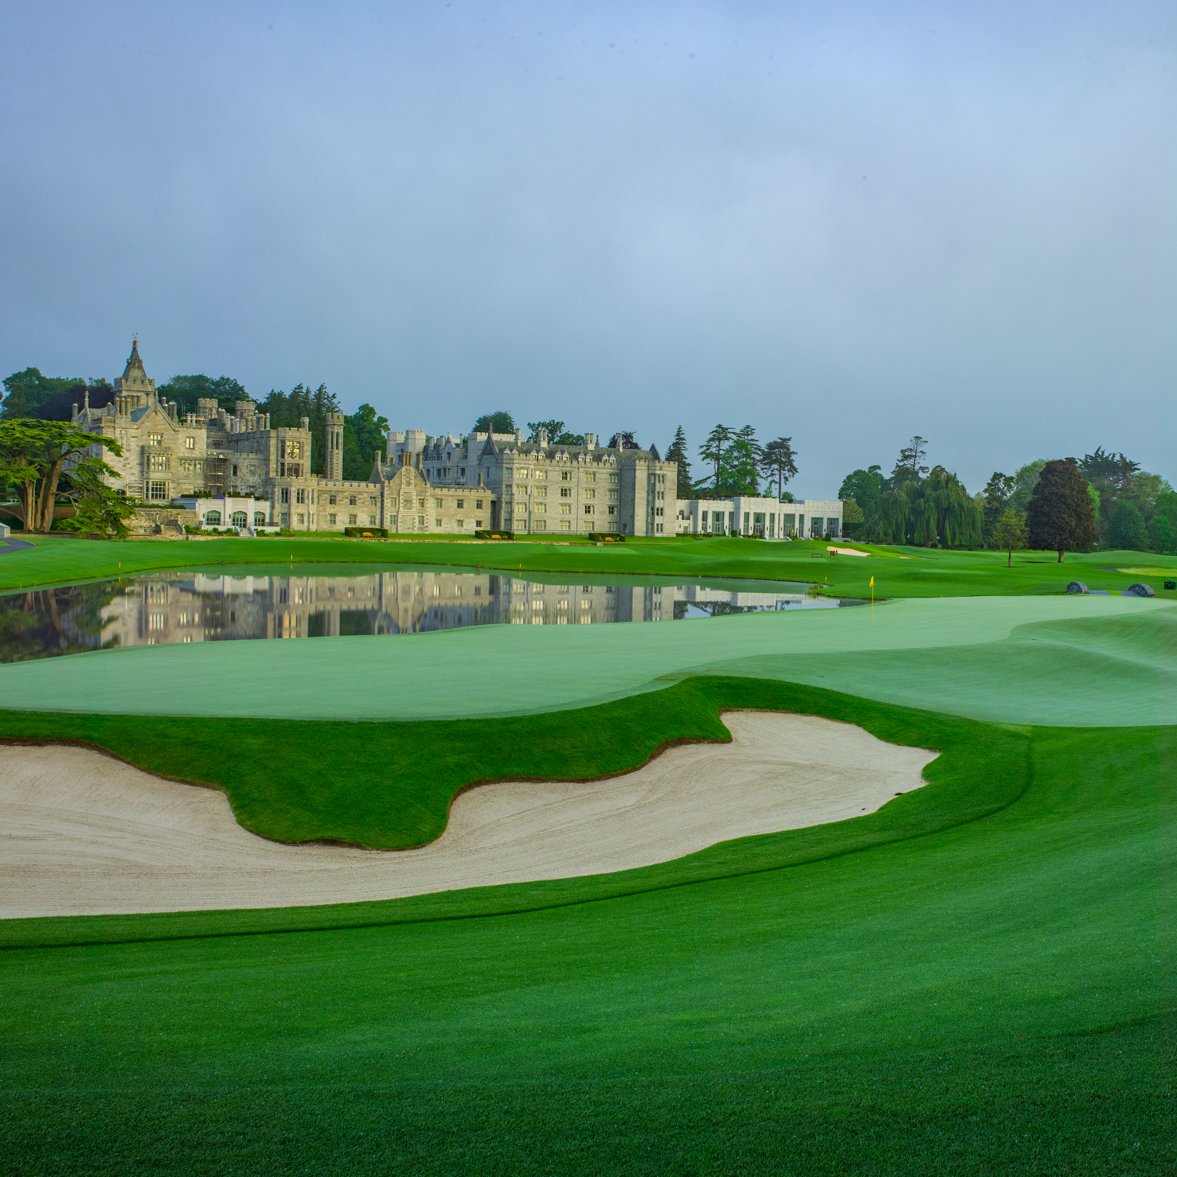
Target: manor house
233 469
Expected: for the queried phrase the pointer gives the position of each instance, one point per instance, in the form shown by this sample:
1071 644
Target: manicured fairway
899 572
1061 660
977 979
987 995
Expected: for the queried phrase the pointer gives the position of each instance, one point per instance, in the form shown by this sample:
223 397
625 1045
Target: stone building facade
233 469
537 487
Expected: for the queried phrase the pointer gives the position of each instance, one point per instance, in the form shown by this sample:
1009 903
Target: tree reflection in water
43 623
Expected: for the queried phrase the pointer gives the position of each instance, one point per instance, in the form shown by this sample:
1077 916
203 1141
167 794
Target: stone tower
134 389
333 468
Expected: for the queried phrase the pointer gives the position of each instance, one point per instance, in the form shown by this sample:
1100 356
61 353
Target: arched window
259 518
239 519
212 518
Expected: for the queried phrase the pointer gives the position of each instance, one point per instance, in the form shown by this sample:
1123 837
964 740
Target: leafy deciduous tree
1009 532
1162 536
865 488
364 433
1126 528
500 421
98 508
557 434
187 390
29 394
1025 479
34 456
1060 514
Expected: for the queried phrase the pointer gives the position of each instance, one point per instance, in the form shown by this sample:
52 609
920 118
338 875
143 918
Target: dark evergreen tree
712 451
1111 474
909 465
1060 514
288 409
740 469
677 452
778 459
996 500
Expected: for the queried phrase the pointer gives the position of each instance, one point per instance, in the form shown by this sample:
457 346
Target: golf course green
976 979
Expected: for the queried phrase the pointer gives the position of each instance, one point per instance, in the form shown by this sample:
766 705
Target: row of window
155 440
565 493
522 473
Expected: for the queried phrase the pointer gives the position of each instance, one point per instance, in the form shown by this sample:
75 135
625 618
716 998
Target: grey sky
847 223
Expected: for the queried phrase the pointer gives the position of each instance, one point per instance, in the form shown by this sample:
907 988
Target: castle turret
333 468
134 388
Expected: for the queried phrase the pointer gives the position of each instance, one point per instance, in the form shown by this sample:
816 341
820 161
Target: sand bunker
84 834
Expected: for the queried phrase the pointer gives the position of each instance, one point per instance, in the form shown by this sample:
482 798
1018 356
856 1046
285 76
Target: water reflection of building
210 608
203 607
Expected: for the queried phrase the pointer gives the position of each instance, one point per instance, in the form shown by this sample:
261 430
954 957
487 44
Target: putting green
1060 661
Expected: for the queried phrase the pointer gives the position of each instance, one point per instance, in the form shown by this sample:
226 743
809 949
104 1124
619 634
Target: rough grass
989 995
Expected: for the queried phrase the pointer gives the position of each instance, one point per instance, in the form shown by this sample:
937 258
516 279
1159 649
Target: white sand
846 552
82 833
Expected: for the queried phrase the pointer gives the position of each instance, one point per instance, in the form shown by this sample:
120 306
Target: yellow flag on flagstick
872 582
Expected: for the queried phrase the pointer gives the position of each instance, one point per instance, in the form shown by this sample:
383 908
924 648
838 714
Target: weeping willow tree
926 512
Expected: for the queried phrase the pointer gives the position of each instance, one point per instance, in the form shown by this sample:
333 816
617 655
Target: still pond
318 601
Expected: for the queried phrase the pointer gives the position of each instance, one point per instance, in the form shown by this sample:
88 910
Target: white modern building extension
763 517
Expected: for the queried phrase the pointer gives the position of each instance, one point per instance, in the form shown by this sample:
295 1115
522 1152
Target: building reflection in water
172 608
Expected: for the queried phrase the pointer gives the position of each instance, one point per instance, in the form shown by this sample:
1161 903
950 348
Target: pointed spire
488 447
134 362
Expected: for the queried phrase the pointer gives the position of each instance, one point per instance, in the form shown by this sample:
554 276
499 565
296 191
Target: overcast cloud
847 223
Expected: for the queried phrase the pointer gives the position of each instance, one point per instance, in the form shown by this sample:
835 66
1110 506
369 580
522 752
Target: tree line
929 506
1103 498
